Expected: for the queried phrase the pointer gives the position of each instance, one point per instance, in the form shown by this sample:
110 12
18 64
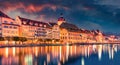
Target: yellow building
55 31
69 33
38 30
32 29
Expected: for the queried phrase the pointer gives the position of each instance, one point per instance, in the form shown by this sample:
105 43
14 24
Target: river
61 55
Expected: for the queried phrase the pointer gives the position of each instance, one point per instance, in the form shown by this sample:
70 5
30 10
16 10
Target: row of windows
33 28
13 27
37 31
75 38
36 24
74 34
71 34
8 22
10 32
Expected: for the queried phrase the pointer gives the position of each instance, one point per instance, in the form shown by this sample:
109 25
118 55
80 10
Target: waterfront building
99 37
33 29
8 26
69 33
55 32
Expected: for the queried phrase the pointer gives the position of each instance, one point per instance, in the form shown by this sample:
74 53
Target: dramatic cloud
6 6
88 14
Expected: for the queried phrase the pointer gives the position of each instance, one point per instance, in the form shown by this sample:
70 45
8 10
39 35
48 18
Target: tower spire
61 14
61 19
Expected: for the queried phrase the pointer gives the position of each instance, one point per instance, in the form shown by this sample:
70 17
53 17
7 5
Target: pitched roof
28 21
52 23
69 27
3 15
61 19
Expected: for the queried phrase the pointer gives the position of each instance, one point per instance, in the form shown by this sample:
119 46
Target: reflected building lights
44 63
59 63
14 51
6 52
60 52
48 58
100 52
82 61
85 51
112 54
75 50
36 51
109 52
57 54
71 50
88 51
67 52
28 60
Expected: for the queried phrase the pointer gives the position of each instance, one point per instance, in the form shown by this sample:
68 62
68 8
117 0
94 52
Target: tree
16 39
2 39
23 39
48 40
8 39
40 40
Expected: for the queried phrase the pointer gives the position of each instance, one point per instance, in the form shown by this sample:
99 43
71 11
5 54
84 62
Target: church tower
61 19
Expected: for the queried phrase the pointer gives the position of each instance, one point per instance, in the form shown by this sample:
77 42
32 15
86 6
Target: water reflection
60 55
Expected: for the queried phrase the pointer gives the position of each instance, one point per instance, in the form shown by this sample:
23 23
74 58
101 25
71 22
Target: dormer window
5 22
40 25
36 24
44 25
30 23
24 22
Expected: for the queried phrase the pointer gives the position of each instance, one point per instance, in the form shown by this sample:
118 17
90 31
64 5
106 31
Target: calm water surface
61 55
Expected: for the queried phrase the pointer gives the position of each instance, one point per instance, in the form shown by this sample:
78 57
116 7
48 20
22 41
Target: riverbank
31 45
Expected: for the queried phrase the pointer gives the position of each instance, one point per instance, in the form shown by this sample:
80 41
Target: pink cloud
29 8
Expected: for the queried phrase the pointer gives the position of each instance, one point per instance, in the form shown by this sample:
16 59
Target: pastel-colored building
32 29
61 31
8 26
69 33
55 31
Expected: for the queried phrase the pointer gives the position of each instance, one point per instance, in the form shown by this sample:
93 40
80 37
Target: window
5 21
40 24
10 27
5 26
24 22
44 25
36 24
15 27
11 22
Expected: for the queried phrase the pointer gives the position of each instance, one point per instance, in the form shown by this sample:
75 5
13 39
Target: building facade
61 31
32 29
69 33
8 26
